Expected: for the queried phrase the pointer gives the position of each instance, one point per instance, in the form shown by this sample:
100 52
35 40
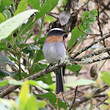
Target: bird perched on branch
54 50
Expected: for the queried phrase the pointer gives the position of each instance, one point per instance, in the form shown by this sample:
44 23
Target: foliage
24 101
24 57
7 27
105 76
79 32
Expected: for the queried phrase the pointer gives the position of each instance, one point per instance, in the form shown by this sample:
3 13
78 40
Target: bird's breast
52 39
54 52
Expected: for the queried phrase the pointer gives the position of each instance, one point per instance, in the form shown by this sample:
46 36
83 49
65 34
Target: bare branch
86 48
73 102
90 60
98 52
99 25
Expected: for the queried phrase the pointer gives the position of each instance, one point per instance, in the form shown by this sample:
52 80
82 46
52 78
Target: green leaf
26 99
36 105
79 82
21 6
88 17
39 84
4 73
2 17
49 19
39 56
36 67
31 101
4 4
14 82
46 78
7 27
50 96
47 7
74 68
30 49
76 33
40 104
17 75
41 40
3 83
24 95
34 4
32 82
52 87
52 99
26 28
105 76
2 46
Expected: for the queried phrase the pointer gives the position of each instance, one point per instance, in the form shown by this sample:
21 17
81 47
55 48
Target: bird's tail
59 79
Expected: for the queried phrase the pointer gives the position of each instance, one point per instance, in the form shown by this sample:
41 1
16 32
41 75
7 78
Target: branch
98 93
85 99
86 48
11 88
90 60
98 52
73 102
99 25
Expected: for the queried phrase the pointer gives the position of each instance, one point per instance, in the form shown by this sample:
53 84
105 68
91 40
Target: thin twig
86 48
98 52
90 60
55 15
102 65
83 6
99 25
73 102
96 94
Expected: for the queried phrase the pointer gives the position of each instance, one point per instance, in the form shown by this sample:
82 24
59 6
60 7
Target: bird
54 50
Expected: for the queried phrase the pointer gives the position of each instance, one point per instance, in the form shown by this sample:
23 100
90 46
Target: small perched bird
54 50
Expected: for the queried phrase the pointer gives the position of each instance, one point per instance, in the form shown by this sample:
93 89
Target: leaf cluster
23 52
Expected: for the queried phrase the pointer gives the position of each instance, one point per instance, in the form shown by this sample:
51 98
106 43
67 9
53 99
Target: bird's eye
65 35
